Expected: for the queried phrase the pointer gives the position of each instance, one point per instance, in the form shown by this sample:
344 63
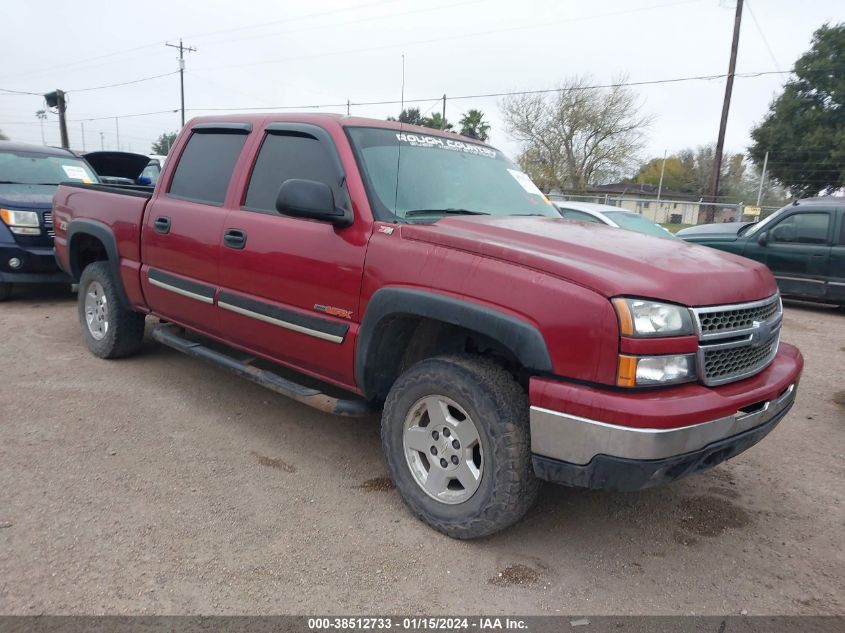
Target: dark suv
29 175
803 244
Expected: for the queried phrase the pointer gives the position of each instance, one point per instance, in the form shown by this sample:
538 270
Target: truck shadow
47 294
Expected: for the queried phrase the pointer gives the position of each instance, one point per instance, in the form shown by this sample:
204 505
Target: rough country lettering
417 140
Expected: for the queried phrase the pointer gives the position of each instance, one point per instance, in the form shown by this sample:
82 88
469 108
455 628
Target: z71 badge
338 312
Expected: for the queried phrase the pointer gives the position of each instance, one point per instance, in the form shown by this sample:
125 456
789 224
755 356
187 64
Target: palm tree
474 125
41 115
436 122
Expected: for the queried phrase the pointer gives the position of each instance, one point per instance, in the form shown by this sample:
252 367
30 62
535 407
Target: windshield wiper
14 182
449 211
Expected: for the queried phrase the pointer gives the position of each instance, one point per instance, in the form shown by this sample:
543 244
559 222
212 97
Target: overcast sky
302 52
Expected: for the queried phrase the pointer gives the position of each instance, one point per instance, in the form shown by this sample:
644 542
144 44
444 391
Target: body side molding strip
302 323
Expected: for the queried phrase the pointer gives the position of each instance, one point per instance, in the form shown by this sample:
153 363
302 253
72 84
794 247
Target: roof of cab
12 146
837 201
322 118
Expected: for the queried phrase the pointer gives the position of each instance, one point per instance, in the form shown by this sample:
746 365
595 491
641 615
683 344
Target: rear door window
205 166
571 214
286 156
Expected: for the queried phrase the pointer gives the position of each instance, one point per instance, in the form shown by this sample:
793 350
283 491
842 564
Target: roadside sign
751 210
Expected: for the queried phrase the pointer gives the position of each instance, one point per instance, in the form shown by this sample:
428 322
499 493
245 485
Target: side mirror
763 239
312 200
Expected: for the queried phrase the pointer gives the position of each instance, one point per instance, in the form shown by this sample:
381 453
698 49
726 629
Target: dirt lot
161 485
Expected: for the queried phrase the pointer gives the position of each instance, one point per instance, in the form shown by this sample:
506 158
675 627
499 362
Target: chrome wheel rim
96 311
443 449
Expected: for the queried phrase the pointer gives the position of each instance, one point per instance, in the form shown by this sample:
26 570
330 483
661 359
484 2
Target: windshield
33 168
759 226
638 223
440 176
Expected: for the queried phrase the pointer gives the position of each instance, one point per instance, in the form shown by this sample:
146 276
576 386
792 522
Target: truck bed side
91 220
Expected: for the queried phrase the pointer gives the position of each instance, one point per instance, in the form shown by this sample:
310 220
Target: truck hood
119 164
610 261
27 196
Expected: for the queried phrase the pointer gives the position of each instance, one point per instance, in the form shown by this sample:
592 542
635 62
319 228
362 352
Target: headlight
645 371
643 318
21 222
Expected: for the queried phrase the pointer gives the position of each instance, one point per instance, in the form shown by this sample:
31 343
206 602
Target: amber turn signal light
626 374
626 321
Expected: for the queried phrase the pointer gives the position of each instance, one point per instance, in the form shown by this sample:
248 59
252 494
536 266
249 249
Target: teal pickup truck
803 244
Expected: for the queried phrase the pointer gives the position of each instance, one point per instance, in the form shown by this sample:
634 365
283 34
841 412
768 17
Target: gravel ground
159 484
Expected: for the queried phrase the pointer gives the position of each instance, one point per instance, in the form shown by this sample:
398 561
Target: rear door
184 227
289 287
797 251
836 269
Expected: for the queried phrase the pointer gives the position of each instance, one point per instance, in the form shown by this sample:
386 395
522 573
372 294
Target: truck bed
119 208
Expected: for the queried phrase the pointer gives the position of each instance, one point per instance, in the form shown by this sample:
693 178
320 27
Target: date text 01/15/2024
416 623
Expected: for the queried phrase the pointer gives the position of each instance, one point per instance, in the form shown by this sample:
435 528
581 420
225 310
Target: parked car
124 168
611 216
422 273
803 244
29 175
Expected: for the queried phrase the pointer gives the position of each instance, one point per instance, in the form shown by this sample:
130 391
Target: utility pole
662 171
56 99
443 120
82 128
117 133
347 107
182 50
762 178
726 105
102 144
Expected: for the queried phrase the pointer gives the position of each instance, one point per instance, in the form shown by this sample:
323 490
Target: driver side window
802 228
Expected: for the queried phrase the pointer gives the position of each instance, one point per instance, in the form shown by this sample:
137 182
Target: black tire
5 291
499 408
125 331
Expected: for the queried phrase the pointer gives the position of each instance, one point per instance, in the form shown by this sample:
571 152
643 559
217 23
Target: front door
183 229
289 287
797 251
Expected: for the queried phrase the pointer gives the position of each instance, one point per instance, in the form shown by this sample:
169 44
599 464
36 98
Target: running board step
170 335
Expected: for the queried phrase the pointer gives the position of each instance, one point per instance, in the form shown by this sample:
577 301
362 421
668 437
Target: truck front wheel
110 329
456 439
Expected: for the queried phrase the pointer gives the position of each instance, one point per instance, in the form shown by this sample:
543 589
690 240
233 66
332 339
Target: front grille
48 223
737 341
737 318
733 362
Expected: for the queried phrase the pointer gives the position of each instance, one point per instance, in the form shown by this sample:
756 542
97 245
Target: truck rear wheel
456 439
110 329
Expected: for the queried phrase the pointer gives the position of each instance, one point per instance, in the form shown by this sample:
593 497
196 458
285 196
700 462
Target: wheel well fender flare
521 338
98 230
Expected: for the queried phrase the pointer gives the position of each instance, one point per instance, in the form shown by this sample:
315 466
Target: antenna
399 148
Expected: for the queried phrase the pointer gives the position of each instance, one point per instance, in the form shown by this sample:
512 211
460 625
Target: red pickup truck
423 274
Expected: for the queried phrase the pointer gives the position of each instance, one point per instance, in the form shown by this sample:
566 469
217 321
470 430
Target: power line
762 35
497 94
88 89
123 83
256 25
47 69
460 36
21 93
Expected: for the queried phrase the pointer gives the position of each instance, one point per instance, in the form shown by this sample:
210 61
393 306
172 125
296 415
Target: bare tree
579 136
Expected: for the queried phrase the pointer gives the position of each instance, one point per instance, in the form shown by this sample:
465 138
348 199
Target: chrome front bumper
578 440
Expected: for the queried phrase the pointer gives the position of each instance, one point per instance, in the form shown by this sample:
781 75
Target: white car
612 216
